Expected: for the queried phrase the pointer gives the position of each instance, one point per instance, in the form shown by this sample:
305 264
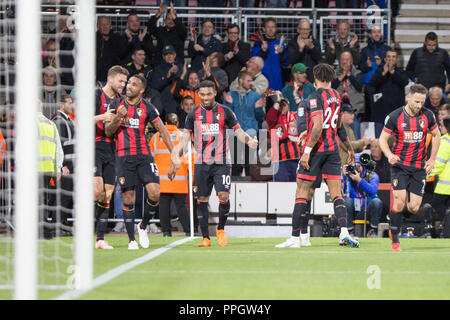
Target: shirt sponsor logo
210 128
412 136
130 123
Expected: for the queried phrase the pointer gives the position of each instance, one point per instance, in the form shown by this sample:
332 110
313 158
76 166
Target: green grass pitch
252 268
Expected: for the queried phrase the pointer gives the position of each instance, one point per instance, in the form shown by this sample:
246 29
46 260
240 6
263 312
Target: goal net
45 230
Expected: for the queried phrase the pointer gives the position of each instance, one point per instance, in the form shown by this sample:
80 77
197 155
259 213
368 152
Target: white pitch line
302 251
285 272
114 273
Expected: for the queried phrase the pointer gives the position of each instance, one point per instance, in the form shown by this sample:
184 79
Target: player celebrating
320 158
409 125
104 170
133 156
208 123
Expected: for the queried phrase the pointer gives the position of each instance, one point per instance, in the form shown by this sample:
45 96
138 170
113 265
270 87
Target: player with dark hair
320 158
209 123
104 170
133 156
409 125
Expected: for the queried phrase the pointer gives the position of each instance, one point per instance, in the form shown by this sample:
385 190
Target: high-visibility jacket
442 166
162 157
2 148
47 141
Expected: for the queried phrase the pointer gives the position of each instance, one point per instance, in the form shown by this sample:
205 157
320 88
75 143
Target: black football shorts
208 175
411 179
128 168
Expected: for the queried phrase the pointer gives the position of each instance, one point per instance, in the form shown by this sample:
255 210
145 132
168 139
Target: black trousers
180 200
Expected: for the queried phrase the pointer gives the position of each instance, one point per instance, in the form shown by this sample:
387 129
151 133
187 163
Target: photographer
360 189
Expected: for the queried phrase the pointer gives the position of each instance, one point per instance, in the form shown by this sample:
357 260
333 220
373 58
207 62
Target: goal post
26 197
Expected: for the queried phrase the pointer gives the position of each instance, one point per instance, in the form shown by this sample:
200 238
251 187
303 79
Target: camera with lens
351 169
366 161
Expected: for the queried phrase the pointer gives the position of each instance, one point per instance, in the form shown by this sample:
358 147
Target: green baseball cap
299 67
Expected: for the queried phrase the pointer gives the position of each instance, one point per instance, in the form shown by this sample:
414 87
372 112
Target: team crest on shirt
421 123
122 180
217 115
313 103
195 189
139 111
395 182
403 125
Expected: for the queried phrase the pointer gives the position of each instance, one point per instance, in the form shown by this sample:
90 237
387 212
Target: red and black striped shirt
410 134
209 129
130 135
328 103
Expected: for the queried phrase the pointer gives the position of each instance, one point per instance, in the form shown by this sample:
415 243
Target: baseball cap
347 108
168 49
299 67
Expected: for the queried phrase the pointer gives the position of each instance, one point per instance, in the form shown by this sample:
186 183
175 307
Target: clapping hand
260 103
142 34
353 41
227 97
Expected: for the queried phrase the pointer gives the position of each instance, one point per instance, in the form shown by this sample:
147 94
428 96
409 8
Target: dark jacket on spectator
309 57
388 92
383 169
429 68
428 105
220 77
164 85
354 85
66 130
213 45
370 51
146 44
234 65
339 48
164 36
109 53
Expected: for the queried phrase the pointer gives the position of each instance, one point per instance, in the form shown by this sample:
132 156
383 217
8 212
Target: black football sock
150 209
299 211
340 211
203 215
224 209
395 225
102 214
128 217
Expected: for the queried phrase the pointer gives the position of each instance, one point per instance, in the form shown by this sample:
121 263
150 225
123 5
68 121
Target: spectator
276 3
135 37
349 83
435 100
202 46
111 48
273 51
213 66
343 41
236 52
164 77
373 54
305 88
351 4
441 199
382 166
260 82
138 65
50 58
360 189
286 153
247 105
358 145
172 33
66 130
387 90
444 111
304 48
176 189
186 105
49 92
182 89
428 64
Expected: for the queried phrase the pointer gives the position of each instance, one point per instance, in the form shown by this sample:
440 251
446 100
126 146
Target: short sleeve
315 104
389 123
301 116
189 122
231 120
152 113
432 123
98 101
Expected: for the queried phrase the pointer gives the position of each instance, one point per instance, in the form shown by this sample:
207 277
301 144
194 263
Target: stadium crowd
261 82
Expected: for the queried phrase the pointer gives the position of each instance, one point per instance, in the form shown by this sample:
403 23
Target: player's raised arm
111 127
164 134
